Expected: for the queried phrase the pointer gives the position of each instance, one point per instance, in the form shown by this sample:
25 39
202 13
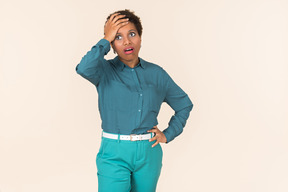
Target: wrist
108 39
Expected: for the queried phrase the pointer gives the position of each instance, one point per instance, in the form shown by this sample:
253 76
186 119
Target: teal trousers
128 166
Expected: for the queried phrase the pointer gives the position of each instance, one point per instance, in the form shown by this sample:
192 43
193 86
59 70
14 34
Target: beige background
229 56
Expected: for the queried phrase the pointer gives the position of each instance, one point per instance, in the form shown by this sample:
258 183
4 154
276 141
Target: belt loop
151 134
118 137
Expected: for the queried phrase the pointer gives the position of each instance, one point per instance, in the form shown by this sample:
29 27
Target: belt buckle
131 137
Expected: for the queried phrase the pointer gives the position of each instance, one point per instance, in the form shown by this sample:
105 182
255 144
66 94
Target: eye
132 34
118 37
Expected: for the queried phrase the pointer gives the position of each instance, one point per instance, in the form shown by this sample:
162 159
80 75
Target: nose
127 41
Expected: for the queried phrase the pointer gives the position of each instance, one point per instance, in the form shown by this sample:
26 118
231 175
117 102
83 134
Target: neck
131 63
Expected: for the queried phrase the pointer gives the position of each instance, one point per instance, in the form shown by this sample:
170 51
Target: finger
113 16
153 130
117 17
156 143
121 21
155 127
120 16
153 139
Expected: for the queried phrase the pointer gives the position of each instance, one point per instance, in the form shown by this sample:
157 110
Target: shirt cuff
104 43
169 136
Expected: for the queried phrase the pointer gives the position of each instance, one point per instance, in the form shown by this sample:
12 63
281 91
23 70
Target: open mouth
129 50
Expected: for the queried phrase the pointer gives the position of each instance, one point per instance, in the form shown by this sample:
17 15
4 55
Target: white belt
132 137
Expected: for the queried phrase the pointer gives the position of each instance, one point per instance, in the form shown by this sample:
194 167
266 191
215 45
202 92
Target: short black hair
132 18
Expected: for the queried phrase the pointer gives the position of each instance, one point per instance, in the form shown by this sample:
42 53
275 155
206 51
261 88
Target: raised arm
179 101
92 65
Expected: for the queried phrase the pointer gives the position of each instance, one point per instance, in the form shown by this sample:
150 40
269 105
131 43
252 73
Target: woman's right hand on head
112 25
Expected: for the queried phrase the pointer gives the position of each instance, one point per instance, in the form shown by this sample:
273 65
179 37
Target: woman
130 93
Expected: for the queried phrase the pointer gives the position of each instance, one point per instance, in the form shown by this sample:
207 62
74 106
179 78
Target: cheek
117 46
138 44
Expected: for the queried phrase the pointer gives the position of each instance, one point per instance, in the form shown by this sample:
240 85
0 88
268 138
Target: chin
129 56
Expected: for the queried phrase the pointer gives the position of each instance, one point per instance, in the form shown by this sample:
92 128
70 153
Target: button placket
140 100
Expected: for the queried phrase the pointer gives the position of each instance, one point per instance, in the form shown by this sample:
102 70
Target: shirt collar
120 65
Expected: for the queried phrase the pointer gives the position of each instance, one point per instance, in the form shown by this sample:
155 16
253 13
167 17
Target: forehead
127 28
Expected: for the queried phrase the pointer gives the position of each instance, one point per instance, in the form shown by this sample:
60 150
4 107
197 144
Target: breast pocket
154 99
118 96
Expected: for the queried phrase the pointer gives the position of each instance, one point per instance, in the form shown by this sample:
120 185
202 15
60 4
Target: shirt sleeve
91 66
179 101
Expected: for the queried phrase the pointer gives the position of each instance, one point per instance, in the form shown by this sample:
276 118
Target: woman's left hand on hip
159 136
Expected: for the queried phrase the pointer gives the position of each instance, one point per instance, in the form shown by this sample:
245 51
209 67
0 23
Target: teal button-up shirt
129 99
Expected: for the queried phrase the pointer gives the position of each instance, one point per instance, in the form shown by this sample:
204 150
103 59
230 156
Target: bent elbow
191 106
79 70
83 71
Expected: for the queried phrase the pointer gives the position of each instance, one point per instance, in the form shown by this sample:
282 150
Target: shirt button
139 110
132 69
141 94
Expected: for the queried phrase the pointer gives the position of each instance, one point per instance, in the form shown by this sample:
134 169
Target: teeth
128 49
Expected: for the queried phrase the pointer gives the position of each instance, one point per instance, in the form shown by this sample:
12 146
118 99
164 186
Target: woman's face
127 43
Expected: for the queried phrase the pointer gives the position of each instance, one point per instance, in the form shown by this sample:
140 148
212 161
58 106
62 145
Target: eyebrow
128 31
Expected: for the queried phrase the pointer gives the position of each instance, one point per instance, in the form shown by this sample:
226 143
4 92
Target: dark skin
112 26
159 136
111 29
116 25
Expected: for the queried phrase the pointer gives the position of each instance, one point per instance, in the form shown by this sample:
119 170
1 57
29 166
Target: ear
113 47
